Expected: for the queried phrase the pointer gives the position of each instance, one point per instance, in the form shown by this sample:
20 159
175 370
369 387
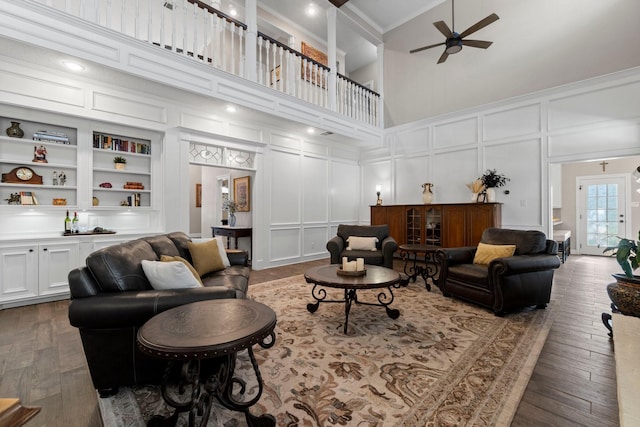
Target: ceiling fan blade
338 3
443 28
479 25
420 49
443 57
477 43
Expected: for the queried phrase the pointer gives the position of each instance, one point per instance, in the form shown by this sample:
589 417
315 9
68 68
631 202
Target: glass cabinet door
432 229
413 226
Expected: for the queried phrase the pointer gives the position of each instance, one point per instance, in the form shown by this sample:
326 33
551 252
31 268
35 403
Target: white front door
602 212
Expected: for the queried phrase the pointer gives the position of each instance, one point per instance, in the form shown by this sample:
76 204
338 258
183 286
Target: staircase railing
198 31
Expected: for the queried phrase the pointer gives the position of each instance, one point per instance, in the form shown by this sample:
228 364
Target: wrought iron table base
607 318
218 385
351 297
413 269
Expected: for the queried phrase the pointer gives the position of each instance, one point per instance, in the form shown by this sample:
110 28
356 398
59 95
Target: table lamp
378 189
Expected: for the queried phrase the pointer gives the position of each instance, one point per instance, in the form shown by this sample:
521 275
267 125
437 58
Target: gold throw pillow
205 257
487 253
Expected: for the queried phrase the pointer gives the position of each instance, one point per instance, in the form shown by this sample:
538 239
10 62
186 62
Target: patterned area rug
443 362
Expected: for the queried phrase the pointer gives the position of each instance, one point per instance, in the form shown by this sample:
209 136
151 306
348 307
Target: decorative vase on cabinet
14 130
232 220
427 194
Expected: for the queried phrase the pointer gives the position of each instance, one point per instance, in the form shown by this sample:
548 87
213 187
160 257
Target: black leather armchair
504 284
385 247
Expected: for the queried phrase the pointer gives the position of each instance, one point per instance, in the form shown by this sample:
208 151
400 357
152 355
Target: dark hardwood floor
42 361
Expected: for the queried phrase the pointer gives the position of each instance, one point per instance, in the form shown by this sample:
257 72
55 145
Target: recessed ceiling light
73 66
311 130
311 10
231 109
233 12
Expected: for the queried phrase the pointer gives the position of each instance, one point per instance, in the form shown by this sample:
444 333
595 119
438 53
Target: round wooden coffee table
213 329
375 278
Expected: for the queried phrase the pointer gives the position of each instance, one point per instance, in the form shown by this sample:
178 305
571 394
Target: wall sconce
378 190
636 174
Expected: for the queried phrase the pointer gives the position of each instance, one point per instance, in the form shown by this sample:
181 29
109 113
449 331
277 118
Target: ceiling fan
338 3
455 41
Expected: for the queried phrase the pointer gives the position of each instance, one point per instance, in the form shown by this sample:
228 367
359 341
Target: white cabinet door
18 272
56 260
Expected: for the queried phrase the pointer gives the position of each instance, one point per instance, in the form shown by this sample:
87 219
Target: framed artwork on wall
242 194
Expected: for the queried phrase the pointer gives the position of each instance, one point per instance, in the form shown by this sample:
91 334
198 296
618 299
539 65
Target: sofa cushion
356 243
167 258
169 275
221 249
478 274
206 257
162 245
117 268
487 253
379 231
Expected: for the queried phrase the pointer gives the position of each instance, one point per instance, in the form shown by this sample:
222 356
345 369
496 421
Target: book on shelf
51 136
108 142
134 199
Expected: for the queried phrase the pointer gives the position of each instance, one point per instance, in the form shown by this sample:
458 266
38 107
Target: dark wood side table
409 253
230 232
376 278
13 414
213 329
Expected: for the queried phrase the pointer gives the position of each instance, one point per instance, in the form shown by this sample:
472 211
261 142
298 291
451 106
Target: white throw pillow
221 249
362 243
169 275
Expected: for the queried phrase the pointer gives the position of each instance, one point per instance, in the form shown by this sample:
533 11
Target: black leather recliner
111 299
505 284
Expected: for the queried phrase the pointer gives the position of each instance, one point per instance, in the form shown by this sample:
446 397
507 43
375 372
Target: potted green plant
627 255
119 162
625 292
492 179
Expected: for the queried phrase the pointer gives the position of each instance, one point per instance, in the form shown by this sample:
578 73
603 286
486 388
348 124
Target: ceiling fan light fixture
453 46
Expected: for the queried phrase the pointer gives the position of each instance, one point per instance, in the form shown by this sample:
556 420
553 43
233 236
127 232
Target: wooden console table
230 232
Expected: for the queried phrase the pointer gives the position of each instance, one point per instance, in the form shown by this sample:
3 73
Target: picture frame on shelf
242 193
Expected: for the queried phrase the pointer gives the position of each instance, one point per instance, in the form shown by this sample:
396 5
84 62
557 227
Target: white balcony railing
196 30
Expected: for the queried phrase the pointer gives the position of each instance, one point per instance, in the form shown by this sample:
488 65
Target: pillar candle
359 264
351 266
344 263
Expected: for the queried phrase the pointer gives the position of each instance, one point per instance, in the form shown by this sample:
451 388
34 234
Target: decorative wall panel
344 188
452 134
285 188
413 141
315 241
512 123
614 103
285 244
132 107
411 173
601 140
452 171
315 190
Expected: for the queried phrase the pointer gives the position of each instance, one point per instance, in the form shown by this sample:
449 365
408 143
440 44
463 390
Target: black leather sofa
385 247
111 299
504 284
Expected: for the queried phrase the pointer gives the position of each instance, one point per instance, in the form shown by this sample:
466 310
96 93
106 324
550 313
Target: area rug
443 362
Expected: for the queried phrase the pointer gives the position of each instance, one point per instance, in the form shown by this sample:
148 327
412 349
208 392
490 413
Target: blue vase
232 220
